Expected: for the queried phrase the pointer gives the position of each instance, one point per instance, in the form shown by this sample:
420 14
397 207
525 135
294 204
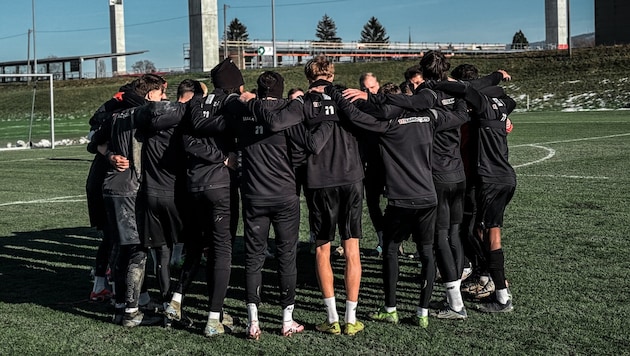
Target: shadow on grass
51 268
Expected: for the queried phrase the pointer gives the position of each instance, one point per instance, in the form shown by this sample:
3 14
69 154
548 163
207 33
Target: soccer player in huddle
120 191
495 180
334 181
208 159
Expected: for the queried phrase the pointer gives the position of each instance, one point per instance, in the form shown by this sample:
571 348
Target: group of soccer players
170 172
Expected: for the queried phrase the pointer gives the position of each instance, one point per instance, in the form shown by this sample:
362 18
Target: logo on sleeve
413 120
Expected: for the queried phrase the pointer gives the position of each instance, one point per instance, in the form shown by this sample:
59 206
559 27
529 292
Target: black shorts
121 216
337 206
450 208
492 199
161 221
400 223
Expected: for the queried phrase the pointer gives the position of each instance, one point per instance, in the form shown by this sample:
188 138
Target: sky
79 27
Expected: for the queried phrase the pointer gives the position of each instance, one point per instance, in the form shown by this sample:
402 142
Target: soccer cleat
185 321
495 307
138 318
102 296
422 321
253 331
383 315
339 251
467 271
174 311
293 328
329 328
352 329
484 290
213 328
449 313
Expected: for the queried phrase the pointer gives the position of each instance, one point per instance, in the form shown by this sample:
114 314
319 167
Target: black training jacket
206 141
406 148
338 162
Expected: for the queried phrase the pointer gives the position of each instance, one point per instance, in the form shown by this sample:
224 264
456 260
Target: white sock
287 314
177 297
252 312
131 310
331 309
99 284
422 311
454 295
214 315
502 295
390 309
351 312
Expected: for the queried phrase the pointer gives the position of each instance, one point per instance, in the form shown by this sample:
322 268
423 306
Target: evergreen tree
519 41
327 30
237 31
373 32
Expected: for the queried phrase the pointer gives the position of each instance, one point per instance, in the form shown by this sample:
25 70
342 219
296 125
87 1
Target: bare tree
145 66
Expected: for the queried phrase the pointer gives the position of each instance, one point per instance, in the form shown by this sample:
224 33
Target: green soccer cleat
352 329
383 315
422 321
329 328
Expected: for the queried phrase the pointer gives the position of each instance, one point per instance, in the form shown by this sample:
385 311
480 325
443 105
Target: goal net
27 111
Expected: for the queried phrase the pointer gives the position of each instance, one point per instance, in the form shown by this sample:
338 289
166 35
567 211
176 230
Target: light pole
34 53
225 47
273 33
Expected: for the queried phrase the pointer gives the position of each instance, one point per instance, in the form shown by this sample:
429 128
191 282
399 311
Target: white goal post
19 77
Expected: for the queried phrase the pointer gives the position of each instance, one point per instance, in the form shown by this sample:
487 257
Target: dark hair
412 72
270 84
189 86
435 66
389 88
148 82
465 72
293 91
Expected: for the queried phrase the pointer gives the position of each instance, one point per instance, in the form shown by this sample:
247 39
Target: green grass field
565 240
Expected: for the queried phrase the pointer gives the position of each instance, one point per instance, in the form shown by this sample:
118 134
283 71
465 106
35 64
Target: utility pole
34 53
273 32
28 56
225 47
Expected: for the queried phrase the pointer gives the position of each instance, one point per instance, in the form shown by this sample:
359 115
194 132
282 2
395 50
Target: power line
287 5
178 18
12 36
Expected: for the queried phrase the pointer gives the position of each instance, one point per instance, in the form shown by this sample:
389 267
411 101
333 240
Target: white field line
67 199
551 152
561 176
574 140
